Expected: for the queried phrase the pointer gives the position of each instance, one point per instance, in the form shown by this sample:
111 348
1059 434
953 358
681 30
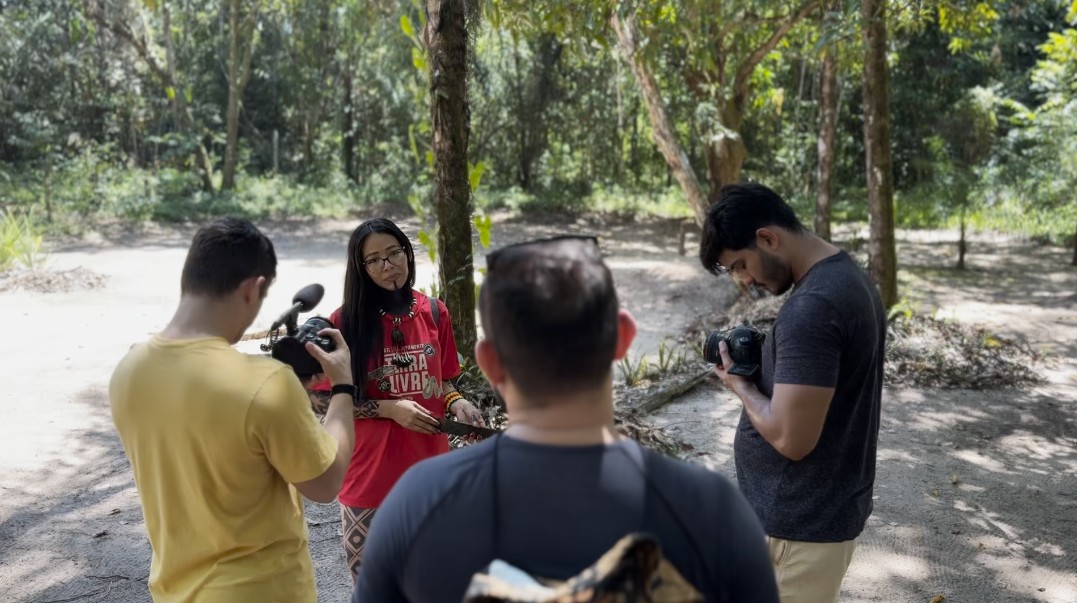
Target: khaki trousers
809 572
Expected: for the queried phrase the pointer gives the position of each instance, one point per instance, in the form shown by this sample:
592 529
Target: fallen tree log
648 400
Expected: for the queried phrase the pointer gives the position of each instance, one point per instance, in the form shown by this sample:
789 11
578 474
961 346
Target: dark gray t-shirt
831 332
559 509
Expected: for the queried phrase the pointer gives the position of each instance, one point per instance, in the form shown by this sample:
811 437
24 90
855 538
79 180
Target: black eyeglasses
396 257
720 269
492 257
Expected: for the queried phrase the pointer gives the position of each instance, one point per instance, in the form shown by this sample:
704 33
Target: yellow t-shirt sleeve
281 425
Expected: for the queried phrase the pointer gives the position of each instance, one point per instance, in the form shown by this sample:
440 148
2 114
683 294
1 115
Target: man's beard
777 276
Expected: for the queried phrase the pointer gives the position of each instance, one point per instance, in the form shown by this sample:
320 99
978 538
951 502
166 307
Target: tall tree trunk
1074 262
308 130
828 125
725 157
665 135
446 40
231 119
882 256
347 126
726 154
47 185
523 161
240 48
962 244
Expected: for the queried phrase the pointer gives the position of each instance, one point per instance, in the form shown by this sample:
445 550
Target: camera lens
710 347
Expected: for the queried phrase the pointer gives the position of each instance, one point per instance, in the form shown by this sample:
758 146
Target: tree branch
247 30
93 10
744 72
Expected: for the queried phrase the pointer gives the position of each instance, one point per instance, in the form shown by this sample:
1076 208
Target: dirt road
977 492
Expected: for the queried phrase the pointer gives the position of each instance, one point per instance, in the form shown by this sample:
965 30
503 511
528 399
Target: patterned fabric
633 570
356 524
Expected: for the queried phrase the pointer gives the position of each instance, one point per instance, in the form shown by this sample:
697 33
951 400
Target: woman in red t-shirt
403 354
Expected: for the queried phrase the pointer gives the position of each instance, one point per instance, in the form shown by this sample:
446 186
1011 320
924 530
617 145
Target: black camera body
745 345
292 349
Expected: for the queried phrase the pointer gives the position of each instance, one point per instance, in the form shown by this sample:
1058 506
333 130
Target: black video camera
291 348
745 345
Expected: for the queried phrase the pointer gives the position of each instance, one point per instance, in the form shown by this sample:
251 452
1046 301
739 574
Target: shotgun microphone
304 301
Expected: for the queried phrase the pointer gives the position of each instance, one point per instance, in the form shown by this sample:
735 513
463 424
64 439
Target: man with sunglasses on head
805 447
559 487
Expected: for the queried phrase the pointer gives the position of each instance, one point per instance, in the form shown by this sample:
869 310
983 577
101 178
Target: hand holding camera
335 359
315 347
744 345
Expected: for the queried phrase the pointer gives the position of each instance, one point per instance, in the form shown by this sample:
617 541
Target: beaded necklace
400 359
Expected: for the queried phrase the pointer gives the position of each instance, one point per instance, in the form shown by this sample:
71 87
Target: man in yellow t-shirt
217 439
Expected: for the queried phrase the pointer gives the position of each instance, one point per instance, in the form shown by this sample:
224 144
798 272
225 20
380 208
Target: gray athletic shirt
560 509
831 332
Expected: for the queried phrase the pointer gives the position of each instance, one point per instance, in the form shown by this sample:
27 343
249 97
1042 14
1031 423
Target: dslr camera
745 345
291 348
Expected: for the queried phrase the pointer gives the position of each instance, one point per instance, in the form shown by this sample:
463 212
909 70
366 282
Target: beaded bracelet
450 398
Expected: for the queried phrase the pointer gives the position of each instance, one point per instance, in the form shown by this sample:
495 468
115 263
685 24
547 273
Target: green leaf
483 224
418 58
189 95
75 31
430 159
417 207
150 4
421 10
405 25
428 242
474 174
411 143
170 92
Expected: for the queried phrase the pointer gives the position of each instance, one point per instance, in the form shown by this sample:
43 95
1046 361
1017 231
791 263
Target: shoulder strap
434 309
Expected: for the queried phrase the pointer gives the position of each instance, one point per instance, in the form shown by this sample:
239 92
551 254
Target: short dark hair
549 308
225 253
741 210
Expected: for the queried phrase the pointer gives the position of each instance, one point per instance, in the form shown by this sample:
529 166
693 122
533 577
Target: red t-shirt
383 449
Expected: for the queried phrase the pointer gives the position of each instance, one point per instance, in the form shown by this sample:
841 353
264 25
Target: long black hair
360 319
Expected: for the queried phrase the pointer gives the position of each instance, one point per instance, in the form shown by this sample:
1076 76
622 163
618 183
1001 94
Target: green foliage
633 372
672 357
964 24
85 191
336 114
483 226
668 202
20 242
1039 222
1034 176
904 309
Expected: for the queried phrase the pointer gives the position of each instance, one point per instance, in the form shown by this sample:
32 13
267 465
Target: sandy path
71 528
976 492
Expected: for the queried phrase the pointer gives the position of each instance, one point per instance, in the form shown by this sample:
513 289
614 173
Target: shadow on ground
75 531
976 499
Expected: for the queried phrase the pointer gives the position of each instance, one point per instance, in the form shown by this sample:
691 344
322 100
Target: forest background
180 110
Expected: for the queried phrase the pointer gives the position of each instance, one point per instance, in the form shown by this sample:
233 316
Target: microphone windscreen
309 297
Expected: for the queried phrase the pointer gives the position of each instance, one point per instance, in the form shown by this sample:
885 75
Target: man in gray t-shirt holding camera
806 444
